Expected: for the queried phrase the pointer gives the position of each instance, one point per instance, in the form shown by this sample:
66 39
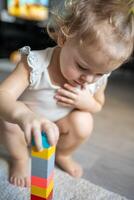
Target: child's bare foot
70 166
19 173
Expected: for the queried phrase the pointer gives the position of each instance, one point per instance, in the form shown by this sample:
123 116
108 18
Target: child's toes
18 182
21 182
12 180
19 173
27 182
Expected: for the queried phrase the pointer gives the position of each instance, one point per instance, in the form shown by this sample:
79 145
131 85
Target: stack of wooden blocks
42 172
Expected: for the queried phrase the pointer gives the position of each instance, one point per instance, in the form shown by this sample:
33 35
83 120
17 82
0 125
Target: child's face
80 65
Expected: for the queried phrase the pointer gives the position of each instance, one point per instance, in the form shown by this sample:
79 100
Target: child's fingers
27 134
52 132
71 88
67 93
37 138
56 130
64 99
65 104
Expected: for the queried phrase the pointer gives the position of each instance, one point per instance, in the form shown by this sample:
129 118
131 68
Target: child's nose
89 78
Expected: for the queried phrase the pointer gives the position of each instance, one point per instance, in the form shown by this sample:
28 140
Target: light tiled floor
108 157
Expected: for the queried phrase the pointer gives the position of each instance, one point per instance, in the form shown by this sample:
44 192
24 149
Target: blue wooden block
45 143
42 168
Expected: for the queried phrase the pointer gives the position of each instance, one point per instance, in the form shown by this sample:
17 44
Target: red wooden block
33 197
42 182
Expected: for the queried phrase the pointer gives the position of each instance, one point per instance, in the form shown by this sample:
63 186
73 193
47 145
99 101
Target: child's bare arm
100 97
81 99
17 112
10 89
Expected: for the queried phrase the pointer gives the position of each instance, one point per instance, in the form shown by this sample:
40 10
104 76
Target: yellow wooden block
42 192
45 154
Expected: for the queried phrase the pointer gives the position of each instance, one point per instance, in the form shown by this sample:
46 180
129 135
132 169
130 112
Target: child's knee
81 124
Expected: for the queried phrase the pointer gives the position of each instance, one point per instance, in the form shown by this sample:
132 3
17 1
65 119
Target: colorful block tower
42 174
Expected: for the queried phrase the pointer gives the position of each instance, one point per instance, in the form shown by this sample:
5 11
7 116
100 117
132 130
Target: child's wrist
92 107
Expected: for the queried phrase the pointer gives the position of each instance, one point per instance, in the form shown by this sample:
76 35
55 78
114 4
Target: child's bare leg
13 139
74 129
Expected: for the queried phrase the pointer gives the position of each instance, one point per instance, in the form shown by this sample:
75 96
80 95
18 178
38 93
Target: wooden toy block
33 197
42 182
45 154
45 143
42 174
42 168
42 192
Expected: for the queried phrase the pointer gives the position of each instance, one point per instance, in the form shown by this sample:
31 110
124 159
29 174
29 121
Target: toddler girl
59 89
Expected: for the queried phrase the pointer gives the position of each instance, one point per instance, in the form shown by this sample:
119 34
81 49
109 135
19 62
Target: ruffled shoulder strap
35 63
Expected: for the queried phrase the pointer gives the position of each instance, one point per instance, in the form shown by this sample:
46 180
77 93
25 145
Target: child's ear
61 39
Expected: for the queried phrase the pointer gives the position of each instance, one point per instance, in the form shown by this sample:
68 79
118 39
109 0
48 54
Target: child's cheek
71 73
74 73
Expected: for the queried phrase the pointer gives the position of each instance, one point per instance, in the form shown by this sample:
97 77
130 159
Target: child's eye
99 75
82 68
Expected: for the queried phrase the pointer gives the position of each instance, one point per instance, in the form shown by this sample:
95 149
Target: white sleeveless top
39 96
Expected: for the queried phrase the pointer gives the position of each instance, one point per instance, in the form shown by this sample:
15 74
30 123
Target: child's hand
33 126
72 97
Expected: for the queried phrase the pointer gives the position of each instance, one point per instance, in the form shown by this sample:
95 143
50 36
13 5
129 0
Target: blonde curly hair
107 24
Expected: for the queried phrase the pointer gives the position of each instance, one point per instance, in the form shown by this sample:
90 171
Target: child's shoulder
37 61
36 55
37 58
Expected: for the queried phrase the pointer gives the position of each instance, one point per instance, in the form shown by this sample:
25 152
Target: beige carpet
66 187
